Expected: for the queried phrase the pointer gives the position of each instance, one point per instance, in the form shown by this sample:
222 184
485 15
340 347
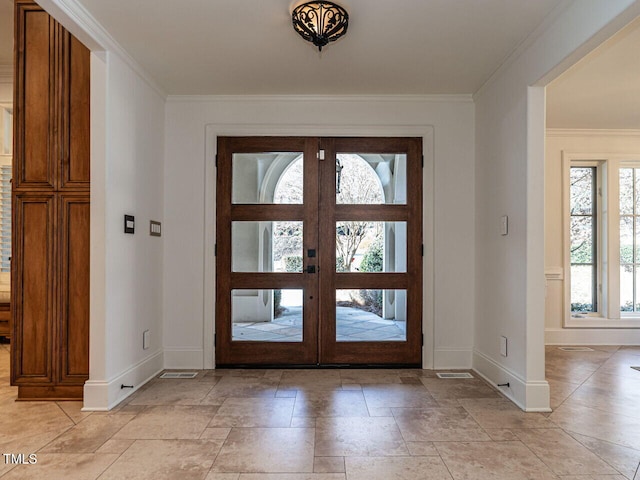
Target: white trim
588 132
591 336
212 131
187 357
530 396
451 98
600 322
101 396
452 358
554 273
77 19
529 40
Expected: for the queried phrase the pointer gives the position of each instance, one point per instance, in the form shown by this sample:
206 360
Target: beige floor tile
625 460
266 450
312 380
501 434
362 377
254 412
172 392
563 454
292 476
115 445
438 425
593 477
421 449
350 436
600 424
68 466
215 433
399 396
303 422
441 388
560 391
610 393
240 386
328 465
20 421
171 422
335 403
164 460
493 461
500 413
73 411
88 435
222 476
396 468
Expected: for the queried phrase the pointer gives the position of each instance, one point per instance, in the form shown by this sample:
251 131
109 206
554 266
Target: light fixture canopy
320 22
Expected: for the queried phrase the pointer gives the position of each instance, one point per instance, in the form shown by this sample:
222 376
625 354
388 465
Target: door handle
311 269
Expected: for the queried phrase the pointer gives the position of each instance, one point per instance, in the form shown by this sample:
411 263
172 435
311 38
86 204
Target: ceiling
426 47
602 90
249 46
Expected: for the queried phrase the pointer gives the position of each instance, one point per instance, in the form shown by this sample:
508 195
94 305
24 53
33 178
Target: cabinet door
74 288
35 121
33 287
75 135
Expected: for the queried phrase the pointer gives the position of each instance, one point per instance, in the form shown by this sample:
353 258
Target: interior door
318 251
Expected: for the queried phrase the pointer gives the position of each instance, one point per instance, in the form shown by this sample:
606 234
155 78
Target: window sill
602 322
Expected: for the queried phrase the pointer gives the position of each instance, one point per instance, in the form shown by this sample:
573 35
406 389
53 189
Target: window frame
607 238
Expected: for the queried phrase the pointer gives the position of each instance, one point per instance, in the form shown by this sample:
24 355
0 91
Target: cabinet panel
34 106
75 167
33 288
74 288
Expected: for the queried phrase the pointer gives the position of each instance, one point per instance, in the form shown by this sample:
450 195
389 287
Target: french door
318 251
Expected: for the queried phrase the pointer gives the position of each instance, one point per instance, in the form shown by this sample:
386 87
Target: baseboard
529 396
592 336
452 358
102 396
192 358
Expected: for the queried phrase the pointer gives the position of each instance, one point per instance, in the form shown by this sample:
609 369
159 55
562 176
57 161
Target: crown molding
592 132
452 98
99 39
6 73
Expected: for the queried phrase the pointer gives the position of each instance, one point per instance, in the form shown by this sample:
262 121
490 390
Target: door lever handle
311 269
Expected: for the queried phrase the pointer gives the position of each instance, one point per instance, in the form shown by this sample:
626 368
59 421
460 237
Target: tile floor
339 425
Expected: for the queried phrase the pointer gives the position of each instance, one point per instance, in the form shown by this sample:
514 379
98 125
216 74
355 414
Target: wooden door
318 250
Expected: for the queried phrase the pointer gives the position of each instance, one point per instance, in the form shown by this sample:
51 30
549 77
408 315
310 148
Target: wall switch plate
503 346
504 225
129 224
146 339
155 228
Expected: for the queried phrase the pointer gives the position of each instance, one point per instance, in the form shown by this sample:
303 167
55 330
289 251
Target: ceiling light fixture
320 22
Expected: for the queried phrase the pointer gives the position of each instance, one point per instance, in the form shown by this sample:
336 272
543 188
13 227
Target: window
584 244
602 241
6 140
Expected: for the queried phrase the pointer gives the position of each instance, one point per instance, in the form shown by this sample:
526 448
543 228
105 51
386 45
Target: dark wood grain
319 214
51 198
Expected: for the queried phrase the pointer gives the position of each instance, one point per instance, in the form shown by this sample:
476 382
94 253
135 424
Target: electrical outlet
503 346
146 339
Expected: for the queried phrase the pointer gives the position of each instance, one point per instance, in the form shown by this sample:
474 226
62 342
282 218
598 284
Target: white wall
585 142
186 174
127 178
509 181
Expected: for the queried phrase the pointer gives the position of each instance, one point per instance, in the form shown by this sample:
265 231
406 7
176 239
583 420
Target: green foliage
372 260
293 263
340 265
372 301
582 307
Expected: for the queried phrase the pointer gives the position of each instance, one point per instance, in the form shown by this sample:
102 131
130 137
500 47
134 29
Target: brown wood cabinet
5 317
50 257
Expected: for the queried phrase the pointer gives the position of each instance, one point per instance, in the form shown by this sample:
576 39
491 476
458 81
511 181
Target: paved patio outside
353 325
